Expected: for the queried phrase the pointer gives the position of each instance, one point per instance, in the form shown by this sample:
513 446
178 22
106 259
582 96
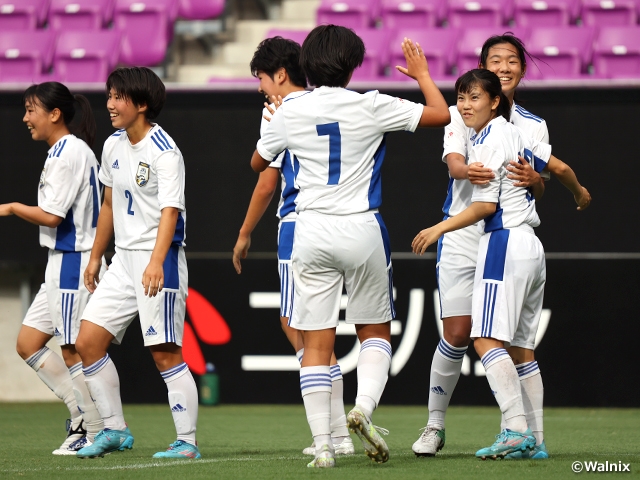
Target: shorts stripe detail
336 372
33 360
451 352
391 304
496 255
490 294
377 343
286 290
527 368
174 371
169 310
96 367
493 355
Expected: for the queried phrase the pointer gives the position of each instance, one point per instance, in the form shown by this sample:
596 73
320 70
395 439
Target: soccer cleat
345 447
374 445
430 442
179 449
107 441
324 459
75 433
539 452
507 442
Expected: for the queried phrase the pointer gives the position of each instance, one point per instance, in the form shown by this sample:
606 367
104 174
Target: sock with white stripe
299 355
373 371
338 418
315 386
54 374
92 419
445 372
103 384
183 400
505 385
532 397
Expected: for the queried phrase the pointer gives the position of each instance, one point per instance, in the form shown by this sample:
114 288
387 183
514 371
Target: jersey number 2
129 195
335 149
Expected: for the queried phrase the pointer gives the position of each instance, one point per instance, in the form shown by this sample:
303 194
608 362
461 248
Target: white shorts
120 297
509 287
456 269
330 250
57 308
285 246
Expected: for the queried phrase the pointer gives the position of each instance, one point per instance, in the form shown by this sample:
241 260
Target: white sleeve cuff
177 205
415 118
263 152
53 211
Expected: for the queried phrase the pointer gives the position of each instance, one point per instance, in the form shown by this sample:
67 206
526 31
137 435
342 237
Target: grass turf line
265 442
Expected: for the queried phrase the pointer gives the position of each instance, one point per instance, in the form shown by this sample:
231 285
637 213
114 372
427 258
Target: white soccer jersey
495 146
285 162
145 177
457 139
69 189
337 136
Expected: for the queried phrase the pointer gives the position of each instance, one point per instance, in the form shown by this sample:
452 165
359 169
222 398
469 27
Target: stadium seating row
559 52
477 13
96 14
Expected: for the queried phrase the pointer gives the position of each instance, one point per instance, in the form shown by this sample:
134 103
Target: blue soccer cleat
507 442
539 452
107 441
179 449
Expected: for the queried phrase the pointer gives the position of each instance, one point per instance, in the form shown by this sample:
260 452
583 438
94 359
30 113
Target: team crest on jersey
42 178
142 175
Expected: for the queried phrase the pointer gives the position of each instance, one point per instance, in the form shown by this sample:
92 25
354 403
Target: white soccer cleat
374 445
430 442
75 433
324 459
345 447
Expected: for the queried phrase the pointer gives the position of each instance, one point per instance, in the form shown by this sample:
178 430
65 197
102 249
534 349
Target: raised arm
568 178
262 195
436 111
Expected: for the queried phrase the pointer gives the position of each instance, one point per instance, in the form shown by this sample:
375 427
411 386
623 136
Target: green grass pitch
265 442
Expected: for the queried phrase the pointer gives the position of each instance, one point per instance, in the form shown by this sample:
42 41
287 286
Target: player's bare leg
445 372
183 399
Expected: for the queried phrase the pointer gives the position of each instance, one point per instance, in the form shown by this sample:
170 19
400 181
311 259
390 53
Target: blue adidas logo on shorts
150 332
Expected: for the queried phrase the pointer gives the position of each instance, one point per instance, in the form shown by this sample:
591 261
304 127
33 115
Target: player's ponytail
490 83
52 95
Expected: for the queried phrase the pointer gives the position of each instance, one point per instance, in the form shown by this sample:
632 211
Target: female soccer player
67 212
144 207
338 137
510 274
506 56
276 64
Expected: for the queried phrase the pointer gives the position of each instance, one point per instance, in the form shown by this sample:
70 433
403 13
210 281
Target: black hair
330 54
139 85
490 83
52 95
275 53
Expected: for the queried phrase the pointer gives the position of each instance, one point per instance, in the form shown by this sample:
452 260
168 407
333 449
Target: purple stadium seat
22 14
146 29
601 13
472 39
412 13
25 56
297 36
80 14
616 52
562 52
348 13
376 56
438 44
479 13
86 56
545 13
200 9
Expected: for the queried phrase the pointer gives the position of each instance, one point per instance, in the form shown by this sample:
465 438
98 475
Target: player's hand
92 274
240 251
425 238
583 200
5 210
523 173
478 174
416 61
153 279
277 102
